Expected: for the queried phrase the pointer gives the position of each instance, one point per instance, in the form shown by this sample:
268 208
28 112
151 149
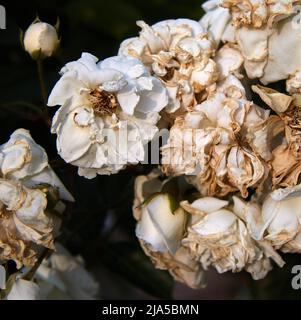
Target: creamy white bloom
64 277
40 40
278 220
216 236
160 229
109 112
284 50
271 53
178 53
22 159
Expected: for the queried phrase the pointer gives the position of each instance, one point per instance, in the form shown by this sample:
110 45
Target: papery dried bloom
64 277
283 53
178 53
253 44
109 112
219 144
247 12
216 236
24 223
40 40
29 191
160 230
22 159
286 162
217 21
278 220
256 13
271 54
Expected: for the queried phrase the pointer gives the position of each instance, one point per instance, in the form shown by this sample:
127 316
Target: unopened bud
41 40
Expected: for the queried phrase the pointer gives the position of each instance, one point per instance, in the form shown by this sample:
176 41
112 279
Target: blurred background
99 225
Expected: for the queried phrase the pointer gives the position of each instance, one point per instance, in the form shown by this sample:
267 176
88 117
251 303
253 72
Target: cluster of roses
31 211
196 79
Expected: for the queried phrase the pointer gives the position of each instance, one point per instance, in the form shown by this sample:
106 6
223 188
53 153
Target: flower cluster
31 209
199 80
30 193
231 235
229 148
113 107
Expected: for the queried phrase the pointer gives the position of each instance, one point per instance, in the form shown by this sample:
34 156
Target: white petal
128 99
64 89
22 156
73 140
216 222
130 66
209 204
154 100
159 227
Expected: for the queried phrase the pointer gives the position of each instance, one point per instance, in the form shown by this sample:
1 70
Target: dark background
99 225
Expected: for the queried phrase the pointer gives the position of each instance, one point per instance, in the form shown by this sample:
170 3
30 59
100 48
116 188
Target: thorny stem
45 254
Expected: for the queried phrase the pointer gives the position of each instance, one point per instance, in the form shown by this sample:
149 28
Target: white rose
24 223
278 220
160 230
109 112
160 227
178 53
218 237
22 159
204 144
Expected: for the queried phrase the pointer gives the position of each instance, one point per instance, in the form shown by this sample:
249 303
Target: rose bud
41 40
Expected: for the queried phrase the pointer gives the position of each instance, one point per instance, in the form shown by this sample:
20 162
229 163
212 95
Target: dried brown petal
217 237
24 223
217 146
